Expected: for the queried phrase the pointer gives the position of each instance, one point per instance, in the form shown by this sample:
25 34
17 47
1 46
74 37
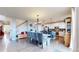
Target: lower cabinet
67 39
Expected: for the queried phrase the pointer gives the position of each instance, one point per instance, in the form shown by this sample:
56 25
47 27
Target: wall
26 27
6 28
2 17
21 28
60 25
35 27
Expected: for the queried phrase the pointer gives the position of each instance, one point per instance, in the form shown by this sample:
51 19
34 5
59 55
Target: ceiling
29 13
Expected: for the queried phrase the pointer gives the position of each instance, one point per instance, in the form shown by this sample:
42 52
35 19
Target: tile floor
23 45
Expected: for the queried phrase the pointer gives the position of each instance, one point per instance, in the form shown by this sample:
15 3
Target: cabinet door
67 39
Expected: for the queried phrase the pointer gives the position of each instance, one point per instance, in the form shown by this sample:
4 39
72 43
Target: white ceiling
28 13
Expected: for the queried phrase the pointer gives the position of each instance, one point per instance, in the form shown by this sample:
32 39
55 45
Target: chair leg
43 44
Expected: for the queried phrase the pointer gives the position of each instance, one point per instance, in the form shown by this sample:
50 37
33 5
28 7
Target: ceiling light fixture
37 18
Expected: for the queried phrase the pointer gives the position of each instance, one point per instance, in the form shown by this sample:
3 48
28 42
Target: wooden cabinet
61 36
61 39
67 39
68 31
